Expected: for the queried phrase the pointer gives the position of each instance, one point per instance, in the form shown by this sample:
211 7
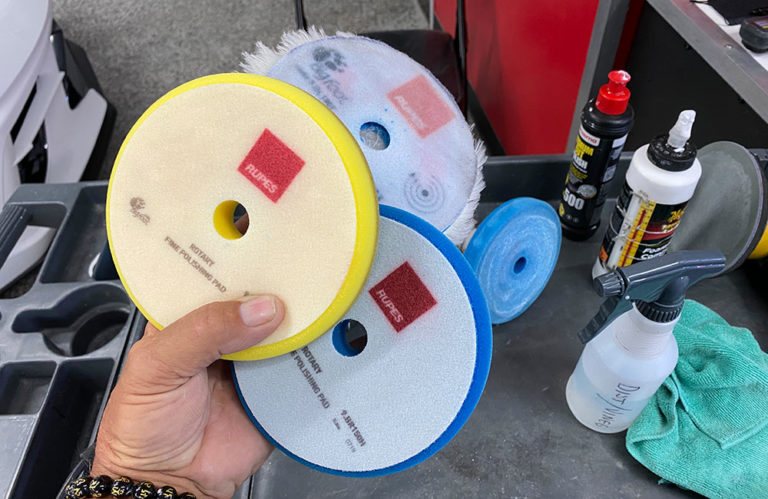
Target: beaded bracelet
103 486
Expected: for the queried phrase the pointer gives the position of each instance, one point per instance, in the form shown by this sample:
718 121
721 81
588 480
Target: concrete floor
141 49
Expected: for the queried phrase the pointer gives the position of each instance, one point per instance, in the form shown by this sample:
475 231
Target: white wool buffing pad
226 139
390 401
417 143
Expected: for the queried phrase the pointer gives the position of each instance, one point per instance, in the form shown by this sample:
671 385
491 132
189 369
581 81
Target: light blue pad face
514 252
416 141
388 402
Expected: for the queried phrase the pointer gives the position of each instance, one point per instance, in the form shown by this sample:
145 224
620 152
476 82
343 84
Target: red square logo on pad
271 165
421 106
402 297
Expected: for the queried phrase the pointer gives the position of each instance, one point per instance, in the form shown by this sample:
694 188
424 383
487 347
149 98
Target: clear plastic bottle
629 347
619 370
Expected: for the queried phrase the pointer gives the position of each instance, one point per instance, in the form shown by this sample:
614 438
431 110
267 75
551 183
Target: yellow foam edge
363 191
761 250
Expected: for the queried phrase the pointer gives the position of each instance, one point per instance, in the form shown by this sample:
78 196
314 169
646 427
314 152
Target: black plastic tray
61 343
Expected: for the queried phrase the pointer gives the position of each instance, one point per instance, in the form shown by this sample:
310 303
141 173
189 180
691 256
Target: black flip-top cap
667 158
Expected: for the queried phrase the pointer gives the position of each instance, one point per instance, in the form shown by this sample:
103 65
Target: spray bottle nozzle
681 132
614 96
665 279
609 285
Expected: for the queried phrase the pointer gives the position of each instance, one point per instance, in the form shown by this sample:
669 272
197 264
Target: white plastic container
70 132
620 370
661 179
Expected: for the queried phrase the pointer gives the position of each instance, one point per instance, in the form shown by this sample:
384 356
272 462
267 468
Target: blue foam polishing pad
397 378
514 252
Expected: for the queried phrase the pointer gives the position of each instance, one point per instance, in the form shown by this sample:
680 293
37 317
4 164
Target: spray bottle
630 348
660 181
605 123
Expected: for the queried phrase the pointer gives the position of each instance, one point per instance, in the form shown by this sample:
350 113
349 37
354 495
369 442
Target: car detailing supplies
706 428
630 348
605 123
513 253
236 139
397 378
729 209
54 122
660 180
417 143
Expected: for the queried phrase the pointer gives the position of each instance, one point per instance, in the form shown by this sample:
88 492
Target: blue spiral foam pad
377 403
514 252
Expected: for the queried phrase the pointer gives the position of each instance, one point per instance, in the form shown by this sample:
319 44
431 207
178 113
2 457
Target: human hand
174 417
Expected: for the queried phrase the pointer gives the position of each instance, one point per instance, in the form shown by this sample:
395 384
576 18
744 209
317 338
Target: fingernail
258 310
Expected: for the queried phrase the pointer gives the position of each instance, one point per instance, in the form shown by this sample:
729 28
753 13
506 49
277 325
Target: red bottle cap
614 96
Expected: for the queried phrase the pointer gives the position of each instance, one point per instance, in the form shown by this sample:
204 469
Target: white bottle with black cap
660 181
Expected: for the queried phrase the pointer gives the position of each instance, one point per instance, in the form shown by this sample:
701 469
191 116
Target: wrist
157 478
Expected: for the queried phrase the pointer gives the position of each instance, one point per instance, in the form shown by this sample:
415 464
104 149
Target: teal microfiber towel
706 428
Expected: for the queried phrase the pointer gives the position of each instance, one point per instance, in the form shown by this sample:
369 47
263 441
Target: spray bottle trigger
612 286
609 311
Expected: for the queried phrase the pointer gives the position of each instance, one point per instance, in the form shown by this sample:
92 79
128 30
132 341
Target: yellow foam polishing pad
236 139
761 250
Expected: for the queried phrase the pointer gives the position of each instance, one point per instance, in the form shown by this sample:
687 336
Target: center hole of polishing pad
230 219
374 135
349 337
520 264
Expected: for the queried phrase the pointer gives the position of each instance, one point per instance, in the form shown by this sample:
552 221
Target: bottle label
604 401
593 165
639 229
618 406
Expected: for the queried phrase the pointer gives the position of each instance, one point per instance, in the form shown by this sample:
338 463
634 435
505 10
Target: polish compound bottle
605 123
661 179
630 349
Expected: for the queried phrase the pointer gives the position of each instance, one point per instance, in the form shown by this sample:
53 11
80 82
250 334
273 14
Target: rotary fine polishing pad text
230 139
380 400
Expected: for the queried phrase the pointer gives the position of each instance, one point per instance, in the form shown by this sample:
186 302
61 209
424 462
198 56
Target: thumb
201 337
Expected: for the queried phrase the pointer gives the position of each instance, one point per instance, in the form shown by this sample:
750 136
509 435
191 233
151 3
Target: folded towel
706 428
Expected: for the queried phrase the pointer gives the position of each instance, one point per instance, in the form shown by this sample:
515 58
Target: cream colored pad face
228 139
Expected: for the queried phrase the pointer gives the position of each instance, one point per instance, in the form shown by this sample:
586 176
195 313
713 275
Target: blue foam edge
340 343
482 359
496 222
